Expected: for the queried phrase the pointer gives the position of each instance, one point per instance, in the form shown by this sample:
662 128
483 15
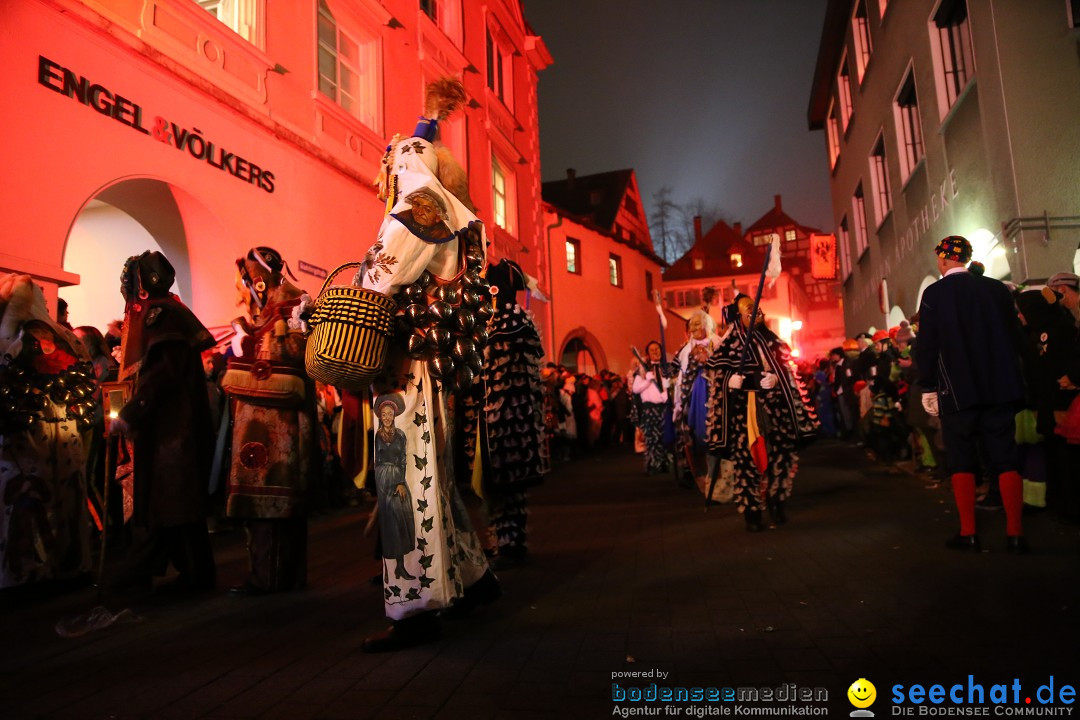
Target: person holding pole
758 417
651 381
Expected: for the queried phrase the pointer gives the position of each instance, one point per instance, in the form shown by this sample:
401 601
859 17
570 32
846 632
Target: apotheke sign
64 81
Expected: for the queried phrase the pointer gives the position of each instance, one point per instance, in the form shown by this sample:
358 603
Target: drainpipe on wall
551 288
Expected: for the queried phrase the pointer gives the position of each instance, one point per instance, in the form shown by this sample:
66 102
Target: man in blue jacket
968 357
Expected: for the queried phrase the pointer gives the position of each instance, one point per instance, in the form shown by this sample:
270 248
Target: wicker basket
351 329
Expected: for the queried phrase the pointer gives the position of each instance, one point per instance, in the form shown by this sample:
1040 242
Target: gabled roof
777 218
714 250
594 199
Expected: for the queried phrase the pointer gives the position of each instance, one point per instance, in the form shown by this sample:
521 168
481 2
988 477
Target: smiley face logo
862 693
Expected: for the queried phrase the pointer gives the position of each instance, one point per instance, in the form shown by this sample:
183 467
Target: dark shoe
753 521
482 592
485 590
776 512
1017 545
404 634
970 543
246 589
401 573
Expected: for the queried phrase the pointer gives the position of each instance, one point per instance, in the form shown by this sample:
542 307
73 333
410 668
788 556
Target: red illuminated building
204 128
603 272
803 309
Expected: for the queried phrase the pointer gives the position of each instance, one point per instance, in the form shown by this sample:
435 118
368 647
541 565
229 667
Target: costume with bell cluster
47 402
759 429
436 278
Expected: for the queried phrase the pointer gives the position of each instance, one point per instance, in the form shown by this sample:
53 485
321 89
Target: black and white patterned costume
780 416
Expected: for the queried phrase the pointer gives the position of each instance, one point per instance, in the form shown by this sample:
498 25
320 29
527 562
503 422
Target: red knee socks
1011 486
963 487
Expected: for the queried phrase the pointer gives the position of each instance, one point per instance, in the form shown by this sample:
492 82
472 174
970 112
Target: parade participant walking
168 418
274 447
436 257
968 356
651 382
512 443
758 417
691 393
48 403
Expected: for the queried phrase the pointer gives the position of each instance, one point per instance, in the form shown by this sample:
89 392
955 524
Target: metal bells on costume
25 397
444 323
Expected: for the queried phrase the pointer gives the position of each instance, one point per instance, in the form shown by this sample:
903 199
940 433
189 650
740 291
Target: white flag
773 271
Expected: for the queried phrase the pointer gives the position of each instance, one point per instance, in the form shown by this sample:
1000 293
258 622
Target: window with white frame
858 206
952 51
860 29
790 235
500 74
502 194
243 17
832 127
843 87
908 126
446 14
348 67
573 256
879 180
844 240
615 270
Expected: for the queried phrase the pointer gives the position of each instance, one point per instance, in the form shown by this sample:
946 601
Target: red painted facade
153 124
602 272
729 259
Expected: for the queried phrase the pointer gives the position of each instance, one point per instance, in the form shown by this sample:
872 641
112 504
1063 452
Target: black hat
147 275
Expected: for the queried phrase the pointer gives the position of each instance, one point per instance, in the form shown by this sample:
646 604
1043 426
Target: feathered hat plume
443 96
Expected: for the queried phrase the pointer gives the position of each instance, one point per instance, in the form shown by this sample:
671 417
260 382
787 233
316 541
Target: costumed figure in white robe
47 404
758 415
429 255
690 413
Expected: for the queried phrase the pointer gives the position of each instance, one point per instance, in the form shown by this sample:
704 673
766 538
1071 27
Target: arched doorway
577 357
127 218
582 353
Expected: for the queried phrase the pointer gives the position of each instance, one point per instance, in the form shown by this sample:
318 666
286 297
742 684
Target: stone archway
121 220
581 348
132 215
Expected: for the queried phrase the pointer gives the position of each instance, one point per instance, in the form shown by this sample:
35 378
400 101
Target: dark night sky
708 97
